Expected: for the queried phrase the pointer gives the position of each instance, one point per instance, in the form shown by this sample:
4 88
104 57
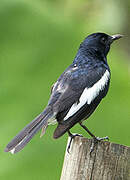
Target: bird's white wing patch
89 94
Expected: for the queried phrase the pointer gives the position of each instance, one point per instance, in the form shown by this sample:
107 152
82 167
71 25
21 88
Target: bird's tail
26 134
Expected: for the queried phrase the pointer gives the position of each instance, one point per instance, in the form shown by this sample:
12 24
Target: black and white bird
76 93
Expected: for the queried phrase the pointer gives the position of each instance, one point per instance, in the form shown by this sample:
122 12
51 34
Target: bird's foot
103 138
95 140
72 136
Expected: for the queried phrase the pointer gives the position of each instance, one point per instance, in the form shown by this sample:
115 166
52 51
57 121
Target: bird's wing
80 96
74 89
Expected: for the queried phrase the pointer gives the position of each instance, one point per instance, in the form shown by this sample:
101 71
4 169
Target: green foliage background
38 40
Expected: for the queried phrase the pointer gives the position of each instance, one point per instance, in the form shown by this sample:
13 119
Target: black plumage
77 92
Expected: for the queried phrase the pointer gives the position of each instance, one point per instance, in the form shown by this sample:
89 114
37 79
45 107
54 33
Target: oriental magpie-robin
76 93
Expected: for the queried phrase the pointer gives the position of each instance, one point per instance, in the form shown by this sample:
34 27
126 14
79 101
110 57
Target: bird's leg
86 129
95 139
92 135
72 136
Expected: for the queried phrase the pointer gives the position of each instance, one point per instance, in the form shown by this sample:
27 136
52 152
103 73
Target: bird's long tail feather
26 134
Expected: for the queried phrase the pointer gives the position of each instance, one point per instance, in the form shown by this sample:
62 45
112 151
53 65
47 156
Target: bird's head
100 42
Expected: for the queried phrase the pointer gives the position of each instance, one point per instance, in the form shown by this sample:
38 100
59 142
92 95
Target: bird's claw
103 138
72 136
95 140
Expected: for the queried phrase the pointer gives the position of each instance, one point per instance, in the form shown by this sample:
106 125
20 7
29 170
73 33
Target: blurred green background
38 40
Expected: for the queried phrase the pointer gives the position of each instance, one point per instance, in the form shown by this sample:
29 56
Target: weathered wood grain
108 161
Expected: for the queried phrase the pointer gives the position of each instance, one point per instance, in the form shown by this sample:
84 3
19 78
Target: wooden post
108 161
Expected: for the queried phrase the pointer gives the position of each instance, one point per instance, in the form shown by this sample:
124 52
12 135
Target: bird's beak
115 37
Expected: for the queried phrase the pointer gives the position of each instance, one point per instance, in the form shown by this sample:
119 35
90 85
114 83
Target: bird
76 94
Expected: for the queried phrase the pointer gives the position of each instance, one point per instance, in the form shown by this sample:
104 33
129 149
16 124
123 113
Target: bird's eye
103 40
